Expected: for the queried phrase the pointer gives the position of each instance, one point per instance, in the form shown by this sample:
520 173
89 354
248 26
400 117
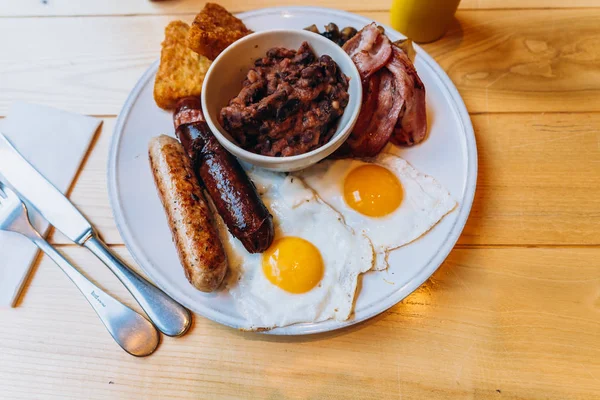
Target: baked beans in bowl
282 99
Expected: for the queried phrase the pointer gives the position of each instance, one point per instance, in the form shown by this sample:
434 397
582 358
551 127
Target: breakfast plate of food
291 170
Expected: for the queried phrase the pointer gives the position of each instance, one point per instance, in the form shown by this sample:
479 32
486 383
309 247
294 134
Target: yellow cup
423 20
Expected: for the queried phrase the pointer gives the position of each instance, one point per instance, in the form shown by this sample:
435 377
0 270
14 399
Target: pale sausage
198 245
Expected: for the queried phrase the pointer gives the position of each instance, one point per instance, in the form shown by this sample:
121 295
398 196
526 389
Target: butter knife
166 314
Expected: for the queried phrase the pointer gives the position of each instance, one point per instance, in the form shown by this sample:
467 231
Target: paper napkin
55 143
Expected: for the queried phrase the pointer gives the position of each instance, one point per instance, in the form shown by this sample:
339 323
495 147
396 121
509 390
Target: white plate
449 154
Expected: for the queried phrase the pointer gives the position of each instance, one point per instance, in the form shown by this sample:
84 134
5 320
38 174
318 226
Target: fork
134 333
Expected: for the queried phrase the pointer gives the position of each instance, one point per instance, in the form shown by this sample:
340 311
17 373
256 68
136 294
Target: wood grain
491 323
536 174
513 313
516 61
537 185
501 61
31 8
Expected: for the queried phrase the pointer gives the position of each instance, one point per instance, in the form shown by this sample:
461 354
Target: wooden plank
516 61
536 173
30 8
537 185
491 323
501 61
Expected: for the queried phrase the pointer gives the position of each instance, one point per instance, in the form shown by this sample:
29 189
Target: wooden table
513 313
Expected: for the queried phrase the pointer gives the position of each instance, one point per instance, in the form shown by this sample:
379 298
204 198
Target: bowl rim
341 134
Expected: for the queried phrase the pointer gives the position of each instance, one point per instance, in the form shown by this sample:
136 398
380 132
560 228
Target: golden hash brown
181 71
213 29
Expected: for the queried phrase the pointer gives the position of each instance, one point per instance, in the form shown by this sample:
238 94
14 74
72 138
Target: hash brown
181 71
213 29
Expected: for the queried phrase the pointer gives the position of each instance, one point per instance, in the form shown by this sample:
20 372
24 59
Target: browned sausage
198 245
232 192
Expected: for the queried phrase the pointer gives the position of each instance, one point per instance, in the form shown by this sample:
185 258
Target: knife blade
47 199
170 317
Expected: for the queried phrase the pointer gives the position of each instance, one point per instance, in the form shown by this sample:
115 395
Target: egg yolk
293 264
372 190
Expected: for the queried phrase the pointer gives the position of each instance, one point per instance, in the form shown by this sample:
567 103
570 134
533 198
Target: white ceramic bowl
224 78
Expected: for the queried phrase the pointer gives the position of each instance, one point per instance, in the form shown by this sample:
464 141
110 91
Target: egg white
297 212
424 204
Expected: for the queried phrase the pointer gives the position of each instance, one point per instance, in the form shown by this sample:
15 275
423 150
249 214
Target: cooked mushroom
347 33
331 27
312 28
332 32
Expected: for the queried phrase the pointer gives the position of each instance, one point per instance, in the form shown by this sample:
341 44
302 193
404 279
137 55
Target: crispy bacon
369 141
368 107
393 105
411 126
369 49
369 104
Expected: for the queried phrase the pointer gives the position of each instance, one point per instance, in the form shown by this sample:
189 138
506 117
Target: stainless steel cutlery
166 314
134 333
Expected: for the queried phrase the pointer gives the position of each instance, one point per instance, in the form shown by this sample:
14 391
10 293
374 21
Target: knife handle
169 317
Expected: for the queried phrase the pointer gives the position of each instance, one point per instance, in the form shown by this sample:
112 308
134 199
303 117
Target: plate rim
464 207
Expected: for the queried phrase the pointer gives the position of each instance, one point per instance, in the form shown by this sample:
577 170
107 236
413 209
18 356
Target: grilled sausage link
232 192
198 245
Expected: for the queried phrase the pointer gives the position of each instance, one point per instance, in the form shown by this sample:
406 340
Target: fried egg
385 198
309 273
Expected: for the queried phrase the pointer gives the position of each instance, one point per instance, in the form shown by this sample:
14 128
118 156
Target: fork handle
134 333
168 316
